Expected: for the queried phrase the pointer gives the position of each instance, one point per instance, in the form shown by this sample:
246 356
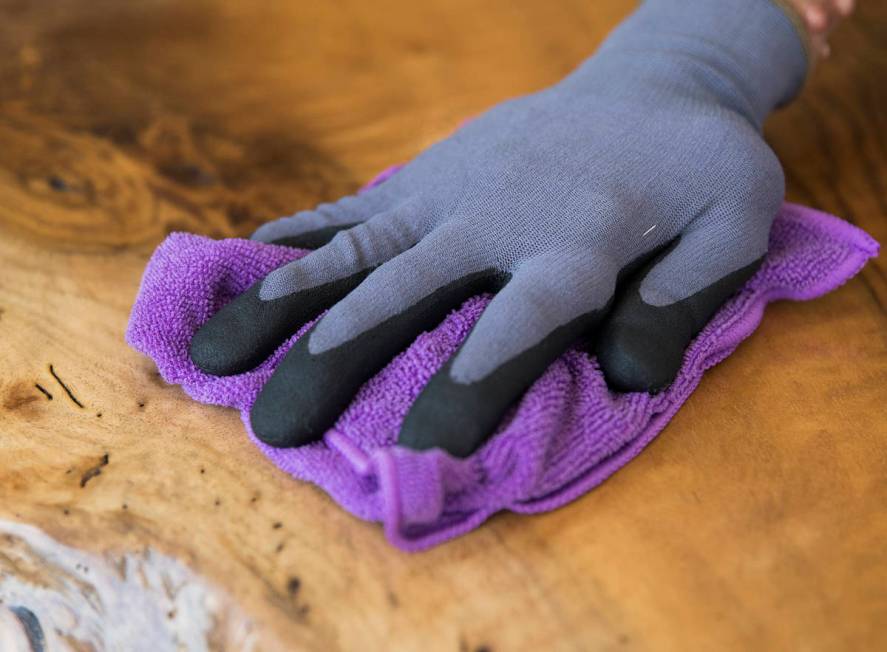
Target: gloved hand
628 201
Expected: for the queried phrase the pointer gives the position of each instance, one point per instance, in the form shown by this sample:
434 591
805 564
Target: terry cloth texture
567 435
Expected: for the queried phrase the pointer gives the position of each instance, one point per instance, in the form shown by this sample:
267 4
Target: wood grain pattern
757 518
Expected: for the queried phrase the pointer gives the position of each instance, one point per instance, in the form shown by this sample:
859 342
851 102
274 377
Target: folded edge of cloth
567 435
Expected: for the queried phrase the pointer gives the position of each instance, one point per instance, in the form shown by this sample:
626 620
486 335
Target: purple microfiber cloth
567 435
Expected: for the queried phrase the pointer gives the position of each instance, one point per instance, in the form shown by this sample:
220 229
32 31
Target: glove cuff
800 26
752 52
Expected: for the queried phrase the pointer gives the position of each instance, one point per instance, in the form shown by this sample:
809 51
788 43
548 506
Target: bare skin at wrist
818 18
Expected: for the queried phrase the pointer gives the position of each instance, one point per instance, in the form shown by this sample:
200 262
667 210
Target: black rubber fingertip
641 347
249 329
305 395
459 417
451 416
459 442
277 422
229 342
634 360
204 351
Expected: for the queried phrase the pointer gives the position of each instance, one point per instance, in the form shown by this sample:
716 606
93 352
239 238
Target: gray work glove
625 203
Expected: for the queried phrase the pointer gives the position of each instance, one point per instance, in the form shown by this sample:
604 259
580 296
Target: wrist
745 53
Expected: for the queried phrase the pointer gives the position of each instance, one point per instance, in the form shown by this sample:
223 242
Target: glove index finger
248 329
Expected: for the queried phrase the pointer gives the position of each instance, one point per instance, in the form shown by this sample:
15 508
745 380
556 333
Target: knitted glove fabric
624 204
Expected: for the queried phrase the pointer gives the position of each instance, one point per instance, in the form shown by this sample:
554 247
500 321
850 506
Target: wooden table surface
756 520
